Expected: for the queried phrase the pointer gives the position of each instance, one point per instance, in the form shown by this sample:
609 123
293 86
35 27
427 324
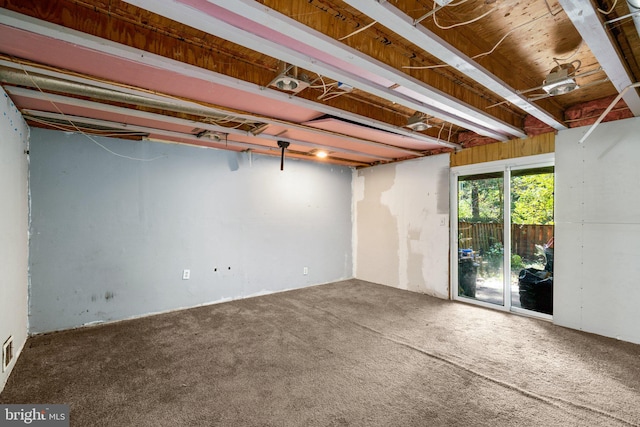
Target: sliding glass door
532 239
502 235
480 241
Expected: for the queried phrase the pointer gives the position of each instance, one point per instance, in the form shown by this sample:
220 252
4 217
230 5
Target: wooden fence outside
524 238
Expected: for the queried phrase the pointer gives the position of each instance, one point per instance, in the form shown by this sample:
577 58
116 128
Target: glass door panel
532 230
480 237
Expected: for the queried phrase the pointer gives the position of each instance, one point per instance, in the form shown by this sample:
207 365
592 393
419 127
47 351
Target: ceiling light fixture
289 82
322 154
418 122
561 79
214 136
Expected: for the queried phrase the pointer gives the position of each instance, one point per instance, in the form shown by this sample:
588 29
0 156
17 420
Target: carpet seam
550 400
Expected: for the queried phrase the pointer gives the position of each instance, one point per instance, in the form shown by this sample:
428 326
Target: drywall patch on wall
14 193
378 241
406 199
598 230
415 279
442 191
112 236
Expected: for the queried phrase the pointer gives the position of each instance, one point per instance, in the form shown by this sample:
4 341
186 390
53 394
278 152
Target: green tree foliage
481 200
532 199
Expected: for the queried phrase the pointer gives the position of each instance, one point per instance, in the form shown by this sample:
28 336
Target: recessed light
418 122
323 154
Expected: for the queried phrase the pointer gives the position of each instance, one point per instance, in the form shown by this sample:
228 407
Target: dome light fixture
418 122
561 79
289 82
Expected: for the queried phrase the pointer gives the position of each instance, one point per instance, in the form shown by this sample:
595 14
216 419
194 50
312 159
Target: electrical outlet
7 353
443 221
305 270
186 274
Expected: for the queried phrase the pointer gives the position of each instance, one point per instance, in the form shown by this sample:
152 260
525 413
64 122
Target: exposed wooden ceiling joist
250 24
148 59
366 68
392 18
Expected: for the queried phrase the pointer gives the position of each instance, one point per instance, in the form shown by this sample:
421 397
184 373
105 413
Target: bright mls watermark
34 415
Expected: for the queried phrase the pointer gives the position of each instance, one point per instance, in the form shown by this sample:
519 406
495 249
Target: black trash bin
467 275
536 290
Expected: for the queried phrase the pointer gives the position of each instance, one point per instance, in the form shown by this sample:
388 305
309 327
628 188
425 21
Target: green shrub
516 262
494 257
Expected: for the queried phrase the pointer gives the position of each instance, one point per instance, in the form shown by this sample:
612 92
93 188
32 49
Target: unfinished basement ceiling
206 72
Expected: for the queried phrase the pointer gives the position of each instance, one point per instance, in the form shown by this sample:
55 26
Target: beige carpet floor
344 354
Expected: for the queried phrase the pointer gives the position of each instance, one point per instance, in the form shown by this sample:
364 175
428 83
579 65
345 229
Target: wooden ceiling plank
395 20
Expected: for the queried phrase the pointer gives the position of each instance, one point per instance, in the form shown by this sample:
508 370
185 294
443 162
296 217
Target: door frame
505 166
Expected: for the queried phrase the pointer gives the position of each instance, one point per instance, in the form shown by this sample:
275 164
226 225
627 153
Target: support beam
251 24
141 57
95 106
586 20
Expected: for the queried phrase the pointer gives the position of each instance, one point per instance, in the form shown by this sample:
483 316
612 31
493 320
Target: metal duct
15 77
634 7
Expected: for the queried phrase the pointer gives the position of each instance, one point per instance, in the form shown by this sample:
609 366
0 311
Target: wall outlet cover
186 274
7 353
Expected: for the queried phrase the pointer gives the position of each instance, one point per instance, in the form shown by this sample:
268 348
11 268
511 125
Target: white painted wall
401 231
111 236
14 140
597 266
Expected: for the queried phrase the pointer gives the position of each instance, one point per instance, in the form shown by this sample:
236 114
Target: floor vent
7 353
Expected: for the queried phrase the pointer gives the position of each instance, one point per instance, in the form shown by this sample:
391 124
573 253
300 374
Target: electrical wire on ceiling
480 55
460 24
358 31
436 8
217 118
228 119
570 57
456 4
606 12
546 95
327 88
331 95
517 27
66 127
442 128
77 129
